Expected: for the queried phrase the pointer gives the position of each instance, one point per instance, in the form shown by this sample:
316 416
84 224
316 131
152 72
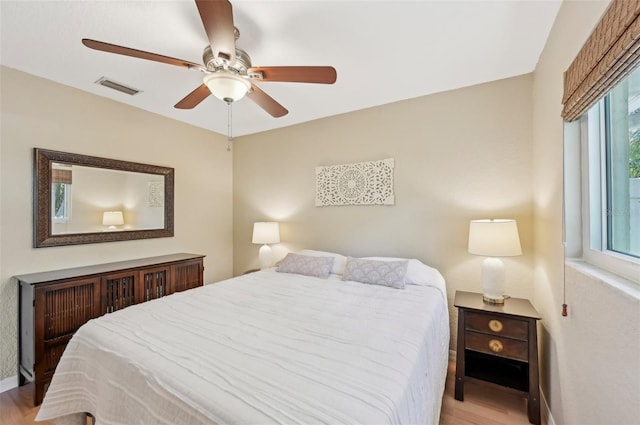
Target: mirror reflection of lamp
112 219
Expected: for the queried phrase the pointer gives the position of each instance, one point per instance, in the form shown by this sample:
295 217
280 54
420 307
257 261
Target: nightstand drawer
497 346
502 326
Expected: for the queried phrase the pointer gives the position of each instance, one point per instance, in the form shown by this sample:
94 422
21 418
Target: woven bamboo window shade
59 175
610 54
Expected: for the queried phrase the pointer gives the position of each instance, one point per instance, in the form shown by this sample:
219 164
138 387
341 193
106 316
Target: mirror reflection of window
61 179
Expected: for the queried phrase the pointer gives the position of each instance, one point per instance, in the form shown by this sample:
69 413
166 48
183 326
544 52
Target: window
610 140
622 115
601 106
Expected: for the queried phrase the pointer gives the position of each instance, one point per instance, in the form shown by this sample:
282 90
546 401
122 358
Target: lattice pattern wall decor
363 183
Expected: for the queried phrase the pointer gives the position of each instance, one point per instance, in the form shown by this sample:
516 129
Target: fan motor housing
242 63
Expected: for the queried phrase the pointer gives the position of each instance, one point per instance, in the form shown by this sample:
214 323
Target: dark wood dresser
53 305
498 344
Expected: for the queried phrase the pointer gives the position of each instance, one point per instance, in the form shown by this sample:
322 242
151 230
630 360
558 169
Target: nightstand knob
495 346
495 325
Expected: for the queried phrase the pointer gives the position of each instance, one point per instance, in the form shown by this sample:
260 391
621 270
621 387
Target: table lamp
265 233
492 239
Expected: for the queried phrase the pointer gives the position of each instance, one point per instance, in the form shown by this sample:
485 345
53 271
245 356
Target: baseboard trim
8 383
545 409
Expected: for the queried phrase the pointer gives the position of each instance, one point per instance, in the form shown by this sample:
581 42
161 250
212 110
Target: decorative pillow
418 273
387 273
307 265
339 263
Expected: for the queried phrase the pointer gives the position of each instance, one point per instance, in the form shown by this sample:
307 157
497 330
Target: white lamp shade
494 238
227 86
266 232
112 218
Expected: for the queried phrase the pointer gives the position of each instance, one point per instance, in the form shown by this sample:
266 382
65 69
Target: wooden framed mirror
79 199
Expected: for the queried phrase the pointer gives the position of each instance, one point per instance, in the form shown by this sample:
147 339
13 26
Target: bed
263 348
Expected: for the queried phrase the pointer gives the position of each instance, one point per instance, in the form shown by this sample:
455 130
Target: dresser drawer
497 346
497 325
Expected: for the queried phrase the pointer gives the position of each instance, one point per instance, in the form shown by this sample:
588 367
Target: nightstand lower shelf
504 372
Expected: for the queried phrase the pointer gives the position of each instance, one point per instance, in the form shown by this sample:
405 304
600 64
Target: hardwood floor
482 406
16 407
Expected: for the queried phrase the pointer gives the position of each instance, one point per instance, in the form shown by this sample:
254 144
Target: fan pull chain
229 127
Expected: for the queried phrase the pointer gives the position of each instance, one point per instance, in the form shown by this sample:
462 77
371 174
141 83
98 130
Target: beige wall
484 151
459 155
38 113
590 359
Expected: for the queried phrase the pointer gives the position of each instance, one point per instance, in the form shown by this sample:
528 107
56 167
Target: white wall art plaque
364 183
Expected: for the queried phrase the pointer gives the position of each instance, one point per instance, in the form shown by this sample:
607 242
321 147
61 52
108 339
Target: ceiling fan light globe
227 86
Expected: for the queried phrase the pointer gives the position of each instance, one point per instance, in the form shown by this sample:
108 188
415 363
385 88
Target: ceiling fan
228 73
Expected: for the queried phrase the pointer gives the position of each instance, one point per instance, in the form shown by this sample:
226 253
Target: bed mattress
262 348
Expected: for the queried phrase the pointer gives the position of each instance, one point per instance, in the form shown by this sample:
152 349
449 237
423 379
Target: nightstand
498 344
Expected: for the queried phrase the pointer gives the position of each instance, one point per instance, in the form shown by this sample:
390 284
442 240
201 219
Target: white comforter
262 348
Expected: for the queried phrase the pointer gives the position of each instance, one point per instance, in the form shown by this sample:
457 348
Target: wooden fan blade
126 51
266 102
297 74
194 98
217 18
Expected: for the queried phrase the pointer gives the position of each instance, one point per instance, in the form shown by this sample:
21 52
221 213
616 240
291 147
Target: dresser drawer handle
495 325
495 346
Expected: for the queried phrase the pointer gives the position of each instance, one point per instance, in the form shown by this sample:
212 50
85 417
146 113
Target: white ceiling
383 51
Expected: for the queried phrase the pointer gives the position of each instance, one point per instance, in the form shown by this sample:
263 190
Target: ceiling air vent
104 81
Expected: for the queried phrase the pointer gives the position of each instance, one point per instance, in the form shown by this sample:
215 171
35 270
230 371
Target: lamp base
491 300
264 255
493 282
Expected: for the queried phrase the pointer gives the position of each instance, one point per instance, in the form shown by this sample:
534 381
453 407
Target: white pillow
418 273
306 265
338 265
386 273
